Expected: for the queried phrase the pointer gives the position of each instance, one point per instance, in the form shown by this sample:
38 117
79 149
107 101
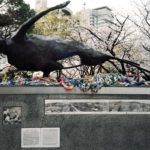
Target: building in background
100 16
96 17
40 5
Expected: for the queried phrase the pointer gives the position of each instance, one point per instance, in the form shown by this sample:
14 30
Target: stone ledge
61 90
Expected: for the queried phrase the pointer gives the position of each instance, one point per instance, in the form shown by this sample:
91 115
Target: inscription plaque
40 137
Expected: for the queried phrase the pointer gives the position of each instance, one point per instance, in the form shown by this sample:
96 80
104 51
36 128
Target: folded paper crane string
34 53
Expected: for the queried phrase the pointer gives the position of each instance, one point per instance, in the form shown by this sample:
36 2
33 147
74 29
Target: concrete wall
78 132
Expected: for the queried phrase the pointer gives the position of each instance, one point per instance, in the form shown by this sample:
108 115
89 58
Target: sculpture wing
26 25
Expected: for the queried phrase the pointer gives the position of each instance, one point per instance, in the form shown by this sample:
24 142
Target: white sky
76 5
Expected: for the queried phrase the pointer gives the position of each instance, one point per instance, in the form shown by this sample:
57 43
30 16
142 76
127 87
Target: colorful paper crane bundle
93 83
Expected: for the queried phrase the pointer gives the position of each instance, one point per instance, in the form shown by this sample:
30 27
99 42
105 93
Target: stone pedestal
99 131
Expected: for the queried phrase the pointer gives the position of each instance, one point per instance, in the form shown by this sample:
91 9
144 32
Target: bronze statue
42 53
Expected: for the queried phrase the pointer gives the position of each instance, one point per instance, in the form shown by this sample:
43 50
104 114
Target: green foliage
55 23
12 14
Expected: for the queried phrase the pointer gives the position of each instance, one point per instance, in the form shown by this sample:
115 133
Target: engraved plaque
30 137
40 137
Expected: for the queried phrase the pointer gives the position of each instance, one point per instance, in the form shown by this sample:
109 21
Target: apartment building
96 17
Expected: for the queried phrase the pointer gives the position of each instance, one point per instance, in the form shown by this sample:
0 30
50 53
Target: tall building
96 17
100 16
40 5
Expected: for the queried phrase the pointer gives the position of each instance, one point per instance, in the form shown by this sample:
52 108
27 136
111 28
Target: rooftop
104 7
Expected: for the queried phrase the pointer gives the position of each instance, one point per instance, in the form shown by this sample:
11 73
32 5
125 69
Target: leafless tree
141 20
112 39
117 38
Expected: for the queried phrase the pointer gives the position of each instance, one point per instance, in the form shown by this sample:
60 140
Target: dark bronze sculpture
34 53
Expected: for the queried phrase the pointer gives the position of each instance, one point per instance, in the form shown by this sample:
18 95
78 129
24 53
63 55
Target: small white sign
30 137
50 137
40 137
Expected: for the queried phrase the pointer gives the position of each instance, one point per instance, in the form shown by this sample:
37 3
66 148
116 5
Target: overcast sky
76 5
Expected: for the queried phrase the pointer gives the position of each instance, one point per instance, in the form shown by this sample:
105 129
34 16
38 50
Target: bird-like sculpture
42 53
